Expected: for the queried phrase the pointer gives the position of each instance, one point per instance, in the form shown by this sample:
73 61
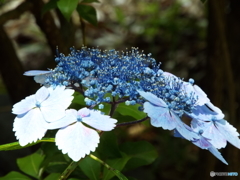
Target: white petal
69 118
25 105
99 121
36 72
30 127
42 94
77 140
84 112
54 107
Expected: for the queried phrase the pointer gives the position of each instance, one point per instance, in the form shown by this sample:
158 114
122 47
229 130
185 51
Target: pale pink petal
77 140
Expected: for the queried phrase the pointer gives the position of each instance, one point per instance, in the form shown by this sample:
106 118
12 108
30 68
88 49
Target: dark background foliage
190 38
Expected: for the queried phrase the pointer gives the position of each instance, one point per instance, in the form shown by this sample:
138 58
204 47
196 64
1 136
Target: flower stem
132 122
69 170
113 107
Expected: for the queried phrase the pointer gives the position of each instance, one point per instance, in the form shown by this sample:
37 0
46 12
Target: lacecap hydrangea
114 77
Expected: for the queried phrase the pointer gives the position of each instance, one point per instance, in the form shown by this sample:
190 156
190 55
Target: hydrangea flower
40 76
76 139
115 77
219 131
36 111
204 143
161 115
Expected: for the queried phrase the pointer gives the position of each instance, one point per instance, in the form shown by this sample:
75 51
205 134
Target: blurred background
191 38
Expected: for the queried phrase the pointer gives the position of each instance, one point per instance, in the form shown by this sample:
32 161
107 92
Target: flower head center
79 118
38 104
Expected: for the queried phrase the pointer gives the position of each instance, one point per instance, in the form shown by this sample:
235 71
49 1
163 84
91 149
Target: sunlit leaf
117 162
13 175
16 145
30 164
78 99
88 13
67 7
116 166
131 110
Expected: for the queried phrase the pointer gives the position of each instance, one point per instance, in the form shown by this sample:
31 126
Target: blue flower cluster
102 74
133 77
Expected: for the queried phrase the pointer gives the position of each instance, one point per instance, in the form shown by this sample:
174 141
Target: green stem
102 162
113 107
69 170
132 122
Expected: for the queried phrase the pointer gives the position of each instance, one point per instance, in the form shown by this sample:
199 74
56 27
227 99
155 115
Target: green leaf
141 153
90 167
78 99
112 170
31 164
13 175
108 148
131 110
88 13
116 166
16 145
48 6
53 176
67 7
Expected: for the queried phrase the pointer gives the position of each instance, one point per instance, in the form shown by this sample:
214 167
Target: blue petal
229 132
204 143
153 99
202 97
185 130
217 154
77 140
204 113
210 132
160 117
30 127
